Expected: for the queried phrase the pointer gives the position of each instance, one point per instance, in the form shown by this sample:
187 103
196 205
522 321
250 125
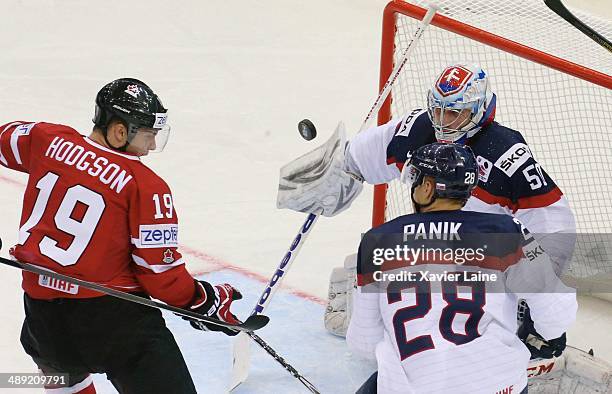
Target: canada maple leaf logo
168 256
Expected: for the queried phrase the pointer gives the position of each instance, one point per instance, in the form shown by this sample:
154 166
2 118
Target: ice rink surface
236 77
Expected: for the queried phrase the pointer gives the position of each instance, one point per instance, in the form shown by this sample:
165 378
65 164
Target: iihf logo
484 168
452 80
133 90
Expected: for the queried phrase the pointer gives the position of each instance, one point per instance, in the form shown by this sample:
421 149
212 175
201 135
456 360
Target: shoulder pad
408 122
500 147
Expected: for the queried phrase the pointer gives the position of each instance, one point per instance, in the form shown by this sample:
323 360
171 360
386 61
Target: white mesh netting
566 121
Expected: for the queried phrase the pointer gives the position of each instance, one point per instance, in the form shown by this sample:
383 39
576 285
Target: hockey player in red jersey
444 319
92 210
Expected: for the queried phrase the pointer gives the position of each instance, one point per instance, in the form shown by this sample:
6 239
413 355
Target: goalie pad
342 284
318 182
574 372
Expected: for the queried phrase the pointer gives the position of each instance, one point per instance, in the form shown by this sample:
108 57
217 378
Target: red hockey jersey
94 214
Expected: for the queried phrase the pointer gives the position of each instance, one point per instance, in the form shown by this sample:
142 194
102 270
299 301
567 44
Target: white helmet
461 87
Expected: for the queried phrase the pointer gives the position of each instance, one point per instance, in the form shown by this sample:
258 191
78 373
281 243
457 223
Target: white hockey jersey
446 323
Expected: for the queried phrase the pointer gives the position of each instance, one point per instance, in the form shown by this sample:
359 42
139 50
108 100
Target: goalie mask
453 168
143 113
460 103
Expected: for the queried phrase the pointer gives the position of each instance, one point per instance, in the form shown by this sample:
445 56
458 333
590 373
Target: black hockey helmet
133 102
452 166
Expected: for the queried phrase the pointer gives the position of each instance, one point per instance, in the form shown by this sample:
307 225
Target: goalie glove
538 346
319 181
214 301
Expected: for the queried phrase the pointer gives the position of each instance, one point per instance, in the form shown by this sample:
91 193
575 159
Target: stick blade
242 360
254 322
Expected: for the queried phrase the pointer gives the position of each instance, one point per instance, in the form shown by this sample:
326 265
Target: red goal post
553 84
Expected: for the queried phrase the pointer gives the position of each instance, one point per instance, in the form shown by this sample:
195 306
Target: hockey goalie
461 110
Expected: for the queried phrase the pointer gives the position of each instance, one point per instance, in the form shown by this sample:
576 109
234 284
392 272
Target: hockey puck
307 129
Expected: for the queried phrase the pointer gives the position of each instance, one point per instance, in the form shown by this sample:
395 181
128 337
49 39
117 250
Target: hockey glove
538 346
214 301
320 181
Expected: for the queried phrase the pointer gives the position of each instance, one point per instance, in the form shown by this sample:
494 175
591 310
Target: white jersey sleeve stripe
2 158
19 131
15 147
156 268
554 218
72 389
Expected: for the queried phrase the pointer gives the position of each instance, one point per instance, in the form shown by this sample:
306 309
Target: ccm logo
158 235
513 158
284 262
541 369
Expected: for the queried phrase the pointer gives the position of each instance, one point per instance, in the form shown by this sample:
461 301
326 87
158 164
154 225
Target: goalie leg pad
580 373
342 284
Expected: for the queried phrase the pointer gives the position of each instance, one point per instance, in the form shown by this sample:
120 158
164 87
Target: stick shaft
285 263
558 8
282 362
384 93
119 294
241 350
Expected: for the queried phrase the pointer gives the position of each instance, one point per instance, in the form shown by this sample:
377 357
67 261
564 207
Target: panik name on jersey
447 231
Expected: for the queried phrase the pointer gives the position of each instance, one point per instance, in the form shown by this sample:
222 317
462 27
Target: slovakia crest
133 90
453 80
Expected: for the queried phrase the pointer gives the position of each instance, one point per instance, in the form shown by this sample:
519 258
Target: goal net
552 82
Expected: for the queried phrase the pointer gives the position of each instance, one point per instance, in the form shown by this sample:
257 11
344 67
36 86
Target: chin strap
120 149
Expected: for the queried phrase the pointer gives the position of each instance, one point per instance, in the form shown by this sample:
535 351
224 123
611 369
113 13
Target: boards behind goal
553 84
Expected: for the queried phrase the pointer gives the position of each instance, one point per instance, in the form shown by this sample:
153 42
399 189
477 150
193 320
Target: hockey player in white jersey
454 332
461 109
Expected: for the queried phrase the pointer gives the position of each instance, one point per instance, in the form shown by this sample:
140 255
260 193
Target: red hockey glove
214 301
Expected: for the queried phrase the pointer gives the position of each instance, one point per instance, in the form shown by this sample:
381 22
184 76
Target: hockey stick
558 8
431 11
282 362
250 324
241 350
241 345
254 322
